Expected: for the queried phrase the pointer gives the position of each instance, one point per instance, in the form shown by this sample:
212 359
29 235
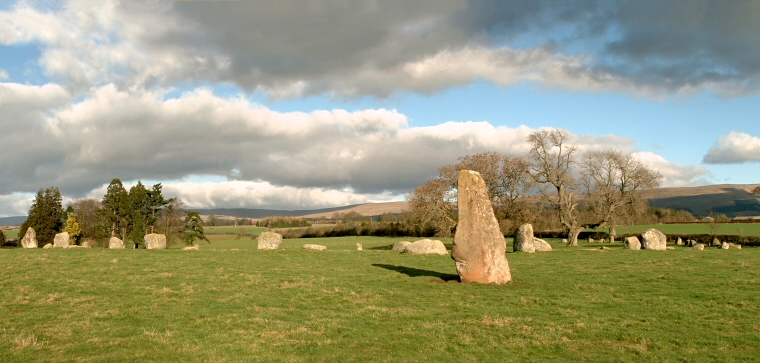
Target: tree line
601 189
126 214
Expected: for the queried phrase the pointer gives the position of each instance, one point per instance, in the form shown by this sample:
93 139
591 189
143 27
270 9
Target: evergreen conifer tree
116 208
156 203
45 215
193 229
139 207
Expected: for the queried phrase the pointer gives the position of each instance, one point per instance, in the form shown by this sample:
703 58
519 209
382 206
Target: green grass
739 229
233 230
11 233
231 302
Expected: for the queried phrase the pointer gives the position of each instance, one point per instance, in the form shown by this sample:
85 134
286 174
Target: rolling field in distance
231 302
231 230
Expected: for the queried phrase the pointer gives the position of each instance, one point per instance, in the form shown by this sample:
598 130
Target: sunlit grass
231 302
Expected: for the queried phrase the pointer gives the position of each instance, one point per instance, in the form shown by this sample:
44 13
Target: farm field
11 233
231 302
231 230
738 229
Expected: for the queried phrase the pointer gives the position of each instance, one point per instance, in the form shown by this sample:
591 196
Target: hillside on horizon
728 199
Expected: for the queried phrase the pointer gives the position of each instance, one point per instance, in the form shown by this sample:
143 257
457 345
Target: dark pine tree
45 216
116 208
139 206
193 229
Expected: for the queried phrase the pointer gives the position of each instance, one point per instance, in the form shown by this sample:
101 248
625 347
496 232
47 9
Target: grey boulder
155 241
269 241
632 243
115 243
653 239
426 247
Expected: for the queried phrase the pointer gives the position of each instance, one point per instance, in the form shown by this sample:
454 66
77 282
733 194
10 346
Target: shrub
376 229
282 222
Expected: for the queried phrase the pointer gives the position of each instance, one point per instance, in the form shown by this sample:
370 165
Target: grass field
11 233
233 230
738 229
230 302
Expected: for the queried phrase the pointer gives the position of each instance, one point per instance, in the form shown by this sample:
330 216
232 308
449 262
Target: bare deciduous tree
431 207
551 155
171 219
507 180
88 213
613 183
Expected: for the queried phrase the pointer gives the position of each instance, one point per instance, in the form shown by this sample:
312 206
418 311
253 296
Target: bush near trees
2 238
72 227
282 222
45 216
170 221
90 217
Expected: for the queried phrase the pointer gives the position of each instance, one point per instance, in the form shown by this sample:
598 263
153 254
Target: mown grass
231 302
738 229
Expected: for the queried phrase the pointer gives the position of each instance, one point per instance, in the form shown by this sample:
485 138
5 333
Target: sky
302 105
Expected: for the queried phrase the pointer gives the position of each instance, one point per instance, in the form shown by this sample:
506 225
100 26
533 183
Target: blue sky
280 105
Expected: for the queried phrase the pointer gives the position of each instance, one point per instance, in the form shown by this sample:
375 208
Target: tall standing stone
479 248
523 241
61 240
155 241
653 239
116 243
269 241
30 239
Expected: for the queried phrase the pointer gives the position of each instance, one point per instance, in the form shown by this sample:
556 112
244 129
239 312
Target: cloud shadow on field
415 272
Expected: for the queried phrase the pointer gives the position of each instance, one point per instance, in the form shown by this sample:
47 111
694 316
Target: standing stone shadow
415 272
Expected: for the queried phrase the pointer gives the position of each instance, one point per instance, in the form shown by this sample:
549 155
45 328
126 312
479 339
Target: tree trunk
572 237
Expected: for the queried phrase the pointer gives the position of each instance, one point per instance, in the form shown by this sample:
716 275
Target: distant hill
728 199
370 209
263 213
12 221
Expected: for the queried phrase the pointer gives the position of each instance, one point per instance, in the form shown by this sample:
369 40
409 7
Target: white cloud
319 157
3 75
674 175
258 194
85 44
367 48
15 204
734 148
